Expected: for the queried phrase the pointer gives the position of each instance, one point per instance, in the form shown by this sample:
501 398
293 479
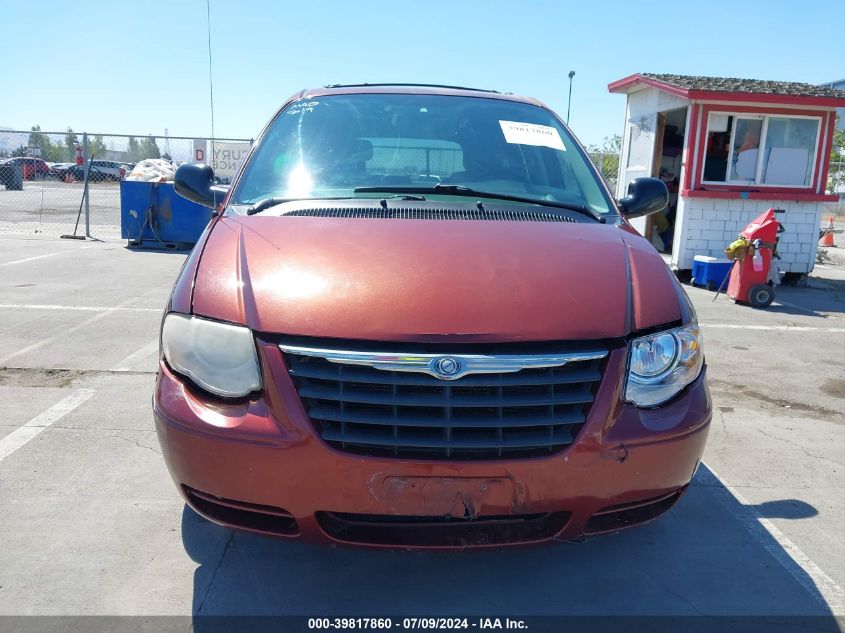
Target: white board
787 166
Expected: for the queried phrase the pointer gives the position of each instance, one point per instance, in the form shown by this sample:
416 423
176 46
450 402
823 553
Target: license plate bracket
459 497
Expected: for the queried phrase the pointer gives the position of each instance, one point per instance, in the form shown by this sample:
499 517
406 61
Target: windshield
328 146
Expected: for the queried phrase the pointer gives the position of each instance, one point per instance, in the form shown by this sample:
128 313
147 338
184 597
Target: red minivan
31 167
419 319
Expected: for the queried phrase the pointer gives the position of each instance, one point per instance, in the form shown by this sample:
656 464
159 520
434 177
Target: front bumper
260 466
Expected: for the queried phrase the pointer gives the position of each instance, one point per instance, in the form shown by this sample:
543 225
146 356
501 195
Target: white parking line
47 306
37 425
787 553
784 328
32 259
146 350
29 348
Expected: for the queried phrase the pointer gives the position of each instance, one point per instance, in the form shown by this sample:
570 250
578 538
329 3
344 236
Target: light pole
569 103
210 81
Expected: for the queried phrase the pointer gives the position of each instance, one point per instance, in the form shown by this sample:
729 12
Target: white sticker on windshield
532 134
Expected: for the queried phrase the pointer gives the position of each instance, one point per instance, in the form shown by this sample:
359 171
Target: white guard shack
729 149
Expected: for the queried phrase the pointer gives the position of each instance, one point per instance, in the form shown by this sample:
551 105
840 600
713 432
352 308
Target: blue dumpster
153 215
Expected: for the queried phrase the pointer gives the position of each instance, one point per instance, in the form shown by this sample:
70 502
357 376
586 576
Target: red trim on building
688 152
749 187
759 195
820 150
758 97
700 148
633 80
831 128
621 84
729 109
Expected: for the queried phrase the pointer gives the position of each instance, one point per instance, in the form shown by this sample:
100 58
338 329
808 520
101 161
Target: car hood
427 280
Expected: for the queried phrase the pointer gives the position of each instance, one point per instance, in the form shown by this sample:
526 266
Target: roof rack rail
409 85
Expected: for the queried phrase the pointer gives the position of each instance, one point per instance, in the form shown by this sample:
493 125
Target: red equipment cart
749 281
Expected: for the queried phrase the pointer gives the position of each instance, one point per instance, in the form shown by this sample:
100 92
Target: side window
789 150
719 131
761 150
746 149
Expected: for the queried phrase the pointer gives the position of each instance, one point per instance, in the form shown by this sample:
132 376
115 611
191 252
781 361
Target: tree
71 142
47 151
149 148
133 150
38 140
837 148
167 156
606 157
96 147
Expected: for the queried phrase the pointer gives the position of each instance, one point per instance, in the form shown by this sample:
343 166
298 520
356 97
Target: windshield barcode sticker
532 134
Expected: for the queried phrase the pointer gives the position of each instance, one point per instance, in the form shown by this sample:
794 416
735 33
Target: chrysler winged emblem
445 367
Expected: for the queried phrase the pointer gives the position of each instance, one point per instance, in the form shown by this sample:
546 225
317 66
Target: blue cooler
710 271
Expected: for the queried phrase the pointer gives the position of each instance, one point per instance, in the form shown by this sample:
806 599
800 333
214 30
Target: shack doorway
668 157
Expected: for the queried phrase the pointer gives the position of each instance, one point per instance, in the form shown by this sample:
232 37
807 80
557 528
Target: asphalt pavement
92 525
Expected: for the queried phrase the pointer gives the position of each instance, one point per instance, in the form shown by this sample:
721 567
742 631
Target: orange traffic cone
68 177
827 237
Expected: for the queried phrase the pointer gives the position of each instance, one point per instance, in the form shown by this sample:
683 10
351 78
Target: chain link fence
44 191
42 176
836 184
608 164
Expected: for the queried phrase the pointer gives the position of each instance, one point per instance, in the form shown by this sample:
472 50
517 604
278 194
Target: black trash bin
11 176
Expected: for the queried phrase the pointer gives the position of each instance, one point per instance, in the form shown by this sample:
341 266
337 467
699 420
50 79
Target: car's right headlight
219 357
661 364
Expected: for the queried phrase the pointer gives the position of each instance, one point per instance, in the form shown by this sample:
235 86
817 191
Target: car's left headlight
219 357
661 364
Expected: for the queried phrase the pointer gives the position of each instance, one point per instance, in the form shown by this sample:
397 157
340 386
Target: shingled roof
696 88
733 84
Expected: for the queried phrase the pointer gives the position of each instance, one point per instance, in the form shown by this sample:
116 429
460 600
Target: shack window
761 150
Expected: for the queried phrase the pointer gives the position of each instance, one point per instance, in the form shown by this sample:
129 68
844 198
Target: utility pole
87 174
569 103
210 81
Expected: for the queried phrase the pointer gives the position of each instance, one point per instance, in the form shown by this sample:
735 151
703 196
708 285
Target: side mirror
195 182
645 196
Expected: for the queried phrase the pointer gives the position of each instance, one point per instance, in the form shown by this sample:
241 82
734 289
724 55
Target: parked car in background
422 320
32 167
96 175
99 172
59 170
111 168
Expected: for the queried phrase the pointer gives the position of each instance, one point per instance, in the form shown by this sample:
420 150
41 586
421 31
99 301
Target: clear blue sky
138 67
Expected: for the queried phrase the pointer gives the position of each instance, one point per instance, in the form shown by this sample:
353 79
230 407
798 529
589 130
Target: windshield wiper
266 203
461 190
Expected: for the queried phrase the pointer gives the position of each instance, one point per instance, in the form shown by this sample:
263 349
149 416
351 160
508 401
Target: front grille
362 410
